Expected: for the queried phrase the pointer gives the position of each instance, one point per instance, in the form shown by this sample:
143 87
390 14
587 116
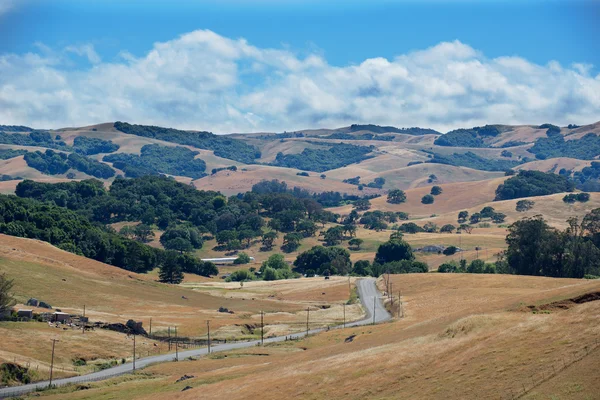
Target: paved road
368 293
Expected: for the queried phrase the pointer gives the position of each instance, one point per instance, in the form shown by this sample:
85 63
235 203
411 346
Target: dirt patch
566 304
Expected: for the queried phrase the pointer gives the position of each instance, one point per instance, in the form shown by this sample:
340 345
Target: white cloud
6 5
86 50
202 80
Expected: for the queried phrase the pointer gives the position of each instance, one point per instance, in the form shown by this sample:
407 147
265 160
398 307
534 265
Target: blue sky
76 37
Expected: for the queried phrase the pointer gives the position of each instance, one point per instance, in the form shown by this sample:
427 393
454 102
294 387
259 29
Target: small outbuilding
28 314
60 317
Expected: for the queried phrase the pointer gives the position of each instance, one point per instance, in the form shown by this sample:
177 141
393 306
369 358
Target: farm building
25 314
60 317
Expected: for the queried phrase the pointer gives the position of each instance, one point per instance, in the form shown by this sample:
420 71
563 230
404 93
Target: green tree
450 250
170 270
320 259
291 242
268 240
143 233
396 196
436 190
6 298
362 204
427 199
242 258
393 250
476 267
448 228
362 268
355 243
524 205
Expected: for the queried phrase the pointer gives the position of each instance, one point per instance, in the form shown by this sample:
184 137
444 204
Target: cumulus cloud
202 80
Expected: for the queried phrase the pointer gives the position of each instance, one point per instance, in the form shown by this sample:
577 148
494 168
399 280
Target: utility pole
307 316
134 351
176 347
374 302
392 293
262 327
83 322
84 310
208 326
344 305
52 362
150 326
169 332
399 303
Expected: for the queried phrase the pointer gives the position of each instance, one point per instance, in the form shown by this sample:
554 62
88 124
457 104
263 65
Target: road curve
367 291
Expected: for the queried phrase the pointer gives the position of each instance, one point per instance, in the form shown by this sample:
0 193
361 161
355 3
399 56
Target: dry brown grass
230 183
463 336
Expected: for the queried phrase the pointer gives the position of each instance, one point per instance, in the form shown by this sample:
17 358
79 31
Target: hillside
482 334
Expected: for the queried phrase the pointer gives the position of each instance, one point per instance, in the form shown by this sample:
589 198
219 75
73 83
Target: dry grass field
231 183
462 337
68 282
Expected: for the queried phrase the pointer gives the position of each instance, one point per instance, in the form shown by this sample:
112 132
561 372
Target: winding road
367 291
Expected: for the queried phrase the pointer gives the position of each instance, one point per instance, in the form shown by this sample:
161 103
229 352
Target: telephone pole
208 326
176 347
392 293
374 302
150 326
52 362
344 305
134 351
307 316
262 327
169 333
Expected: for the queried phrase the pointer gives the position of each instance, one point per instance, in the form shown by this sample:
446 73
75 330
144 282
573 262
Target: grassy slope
463 336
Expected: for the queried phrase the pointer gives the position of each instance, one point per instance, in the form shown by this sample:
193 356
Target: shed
25 314
60 317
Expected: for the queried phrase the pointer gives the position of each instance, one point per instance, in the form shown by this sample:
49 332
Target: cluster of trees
326 199
533 183
524 205
573 197
364 136
378 220
155 159
273 269
555 145
5 154
474 267
472 160
222 146
230 168
54 163
390 129
485 213
535 248
73 232
4 178
473 137
321 160
377 183
15 128
34 138
588 178
89 146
